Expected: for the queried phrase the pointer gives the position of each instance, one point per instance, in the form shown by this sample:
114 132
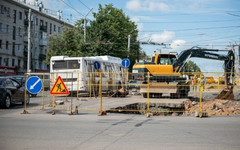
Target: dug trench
186 108
156 109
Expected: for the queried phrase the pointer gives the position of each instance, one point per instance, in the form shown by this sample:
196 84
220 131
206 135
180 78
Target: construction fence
124 92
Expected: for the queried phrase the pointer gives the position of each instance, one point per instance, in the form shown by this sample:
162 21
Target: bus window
66 64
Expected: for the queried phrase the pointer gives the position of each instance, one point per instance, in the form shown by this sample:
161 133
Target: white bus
79 74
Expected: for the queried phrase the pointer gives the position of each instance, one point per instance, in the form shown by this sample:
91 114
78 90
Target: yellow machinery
165 71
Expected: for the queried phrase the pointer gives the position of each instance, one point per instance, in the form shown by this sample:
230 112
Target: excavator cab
164 59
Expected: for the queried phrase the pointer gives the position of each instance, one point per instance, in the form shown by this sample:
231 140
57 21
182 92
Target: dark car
11 91
21 79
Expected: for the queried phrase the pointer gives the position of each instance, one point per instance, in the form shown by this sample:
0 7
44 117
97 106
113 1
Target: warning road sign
59 88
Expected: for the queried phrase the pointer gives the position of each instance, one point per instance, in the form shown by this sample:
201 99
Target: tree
191 68
65 44
107 34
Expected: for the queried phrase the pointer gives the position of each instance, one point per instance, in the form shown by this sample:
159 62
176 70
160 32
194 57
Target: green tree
64 44
107 34
190 67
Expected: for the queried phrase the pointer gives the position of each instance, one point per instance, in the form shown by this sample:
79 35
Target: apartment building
14 35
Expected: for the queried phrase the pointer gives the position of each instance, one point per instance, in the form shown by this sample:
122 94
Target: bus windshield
66 64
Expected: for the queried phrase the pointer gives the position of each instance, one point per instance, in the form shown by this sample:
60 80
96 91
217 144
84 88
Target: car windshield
19 79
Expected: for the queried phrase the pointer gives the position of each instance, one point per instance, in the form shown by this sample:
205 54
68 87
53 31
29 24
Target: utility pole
239 58
85 22
129 42
239 54
29 41
85 30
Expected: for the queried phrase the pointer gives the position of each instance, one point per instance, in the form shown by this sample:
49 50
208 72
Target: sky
180 24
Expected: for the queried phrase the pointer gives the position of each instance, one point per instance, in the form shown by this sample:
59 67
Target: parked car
11 91
133 84
21 79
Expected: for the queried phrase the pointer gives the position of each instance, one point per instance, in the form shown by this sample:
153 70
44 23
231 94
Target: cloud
178 45
139 25
166 36
147 5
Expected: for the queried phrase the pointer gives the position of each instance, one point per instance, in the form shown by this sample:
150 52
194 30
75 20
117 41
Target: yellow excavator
165 72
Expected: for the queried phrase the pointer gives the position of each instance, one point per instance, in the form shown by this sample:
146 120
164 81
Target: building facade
14 36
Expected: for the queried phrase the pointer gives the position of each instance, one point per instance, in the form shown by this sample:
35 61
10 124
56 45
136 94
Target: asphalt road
116 131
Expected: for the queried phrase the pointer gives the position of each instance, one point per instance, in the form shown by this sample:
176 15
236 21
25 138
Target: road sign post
34 85
125 64
97 65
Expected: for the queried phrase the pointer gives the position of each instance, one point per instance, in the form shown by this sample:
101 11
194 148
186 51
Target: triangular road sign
59 88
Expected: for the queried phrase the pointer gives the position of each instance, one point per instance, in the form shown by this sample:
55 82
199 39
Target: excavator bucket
226 94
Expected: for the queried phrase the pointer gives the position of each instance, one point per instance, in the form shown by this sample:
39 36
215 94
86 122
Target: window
0 43
166 59
13 48
54 28
7 44
13 62
1 27
0 61
41 22
14 16
6 61
46 24
36 21
59 30
19 62
19 47
50 28
26 14
19 31
20 15
15 83
66 64
1 9
8 83
8 12
36 35
14 33
40 65
7 29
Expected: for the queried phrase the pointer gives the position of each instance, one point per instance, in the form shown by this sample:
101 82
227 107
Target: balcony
43 42
43 28
42 57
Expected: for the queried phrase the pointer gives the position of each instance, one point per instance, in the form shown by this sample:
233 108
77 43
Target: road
116 131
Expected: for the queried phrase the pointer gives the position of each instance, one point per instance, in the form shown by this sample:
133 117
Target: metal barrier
111 93
43 94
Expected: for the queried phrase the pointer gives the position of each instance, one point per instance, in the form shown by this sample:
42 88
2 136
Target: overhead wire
191 29
202 21
73 8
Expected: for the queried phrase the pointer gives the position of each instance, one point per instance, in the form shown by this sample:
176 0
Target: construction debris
119 93
214 107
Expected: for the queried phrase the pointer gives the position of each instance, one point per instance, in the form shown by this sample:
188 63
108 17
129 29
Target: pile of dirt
214 107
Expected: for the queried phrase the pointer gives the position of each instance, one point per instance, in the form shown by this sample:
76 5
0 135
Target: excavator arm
208 54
